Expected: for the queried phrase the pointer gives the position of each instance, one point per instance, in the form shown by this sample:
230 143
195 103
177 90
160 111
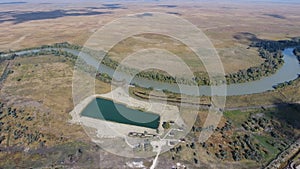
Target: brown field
220 21
44 83
42 87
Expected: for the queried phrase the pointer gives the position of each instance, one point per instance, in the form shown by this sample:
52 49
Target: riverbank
265 98
287 72
297 53
255 101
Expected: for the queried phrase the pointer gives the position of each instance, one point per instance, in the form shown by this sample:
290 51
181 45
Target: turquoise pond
104 109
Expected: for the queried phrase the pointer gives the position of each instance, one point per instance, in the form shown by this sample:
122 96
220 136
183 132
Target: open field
222 22
44 81
41 87
30 86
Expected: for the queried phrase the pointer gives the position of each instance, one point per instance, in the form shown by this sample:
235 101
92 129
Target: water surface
105 109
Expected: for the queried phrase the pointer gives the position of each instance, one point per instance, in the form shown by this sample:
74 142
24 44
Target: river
289 71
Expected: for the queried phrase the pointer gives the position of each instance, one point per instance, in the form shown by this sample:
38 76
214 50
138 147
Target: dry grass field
43 85
222 22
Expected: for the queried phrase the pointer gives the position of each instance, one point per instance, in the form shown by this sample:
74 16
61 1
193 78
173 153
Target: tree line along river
288 71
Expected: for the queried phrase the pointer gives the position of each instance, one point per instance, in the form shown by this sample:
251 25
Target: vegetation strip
297 53
271 51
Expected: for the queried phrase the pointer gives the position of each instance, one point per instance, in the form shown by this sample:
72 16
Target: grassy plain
41 87
221 22
44 82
